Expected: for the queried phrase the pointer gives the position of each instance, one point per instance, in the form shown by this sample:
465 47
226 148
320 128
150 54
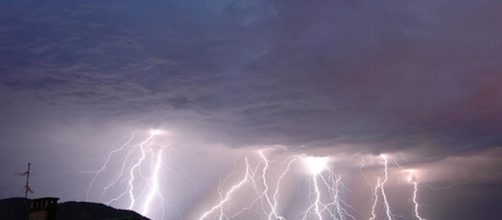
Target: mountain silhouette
16 209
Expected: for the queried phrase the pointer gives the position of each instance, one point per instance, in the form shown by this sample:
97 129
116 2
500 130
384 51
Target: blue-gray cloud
385 76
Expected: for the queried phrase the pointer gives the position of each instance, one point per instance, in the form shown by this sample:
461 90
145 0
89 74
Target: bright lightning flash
375 200
272 204
228 195
316 166
380 188
324 198
105 164
154 187
413 180
269 200
130 169
156 132
336 208
136 166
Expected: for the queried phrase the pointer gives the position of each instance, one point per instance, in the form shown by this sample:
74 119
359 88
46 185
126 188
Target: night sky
352 80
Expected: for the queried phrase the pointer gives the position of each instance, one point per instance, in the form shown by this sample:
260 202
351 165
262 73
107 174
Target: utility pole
27 186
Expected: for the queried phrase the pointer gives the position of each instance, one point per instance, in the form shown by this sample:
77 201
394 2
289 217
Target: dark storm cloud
380 76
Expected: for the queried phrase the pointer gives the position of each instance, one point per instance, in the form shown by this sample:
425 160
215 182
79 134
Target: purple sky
346 79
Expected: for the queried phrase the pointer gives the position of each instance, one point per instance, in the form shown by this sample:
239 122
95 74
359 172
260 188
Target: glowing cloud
316 165
156 132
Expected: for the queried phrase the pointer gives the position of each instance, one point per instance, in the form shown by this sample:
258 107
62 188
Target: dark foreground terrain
15 209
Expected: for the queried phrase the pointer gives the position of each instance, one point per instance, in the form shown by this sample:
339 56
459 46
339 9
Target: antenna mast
27 186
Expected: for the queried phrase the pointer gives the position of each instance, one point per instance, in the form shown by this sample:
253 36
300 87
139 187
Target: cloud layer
339 77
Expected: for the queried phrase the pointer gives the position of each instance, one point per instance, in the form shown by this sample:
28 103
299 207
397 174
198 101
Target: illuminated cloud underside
326 197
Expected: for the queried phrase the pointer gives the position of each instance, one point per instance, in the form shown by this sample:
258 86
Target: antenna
27 186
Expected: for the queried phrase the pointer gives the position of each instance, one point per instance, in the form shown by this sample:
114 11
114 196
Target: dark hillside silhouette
13 209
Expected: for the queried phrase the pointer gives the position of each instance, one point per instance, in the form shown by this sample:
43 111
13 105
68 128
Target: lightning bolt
322 180
262 194
382 187
325 186
334 190
117 178
105 164
413 180
337 207
375 201
269 196
277 189
136 166
415 190
317 197
316 166
154 187
272 204
229 194
130 170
